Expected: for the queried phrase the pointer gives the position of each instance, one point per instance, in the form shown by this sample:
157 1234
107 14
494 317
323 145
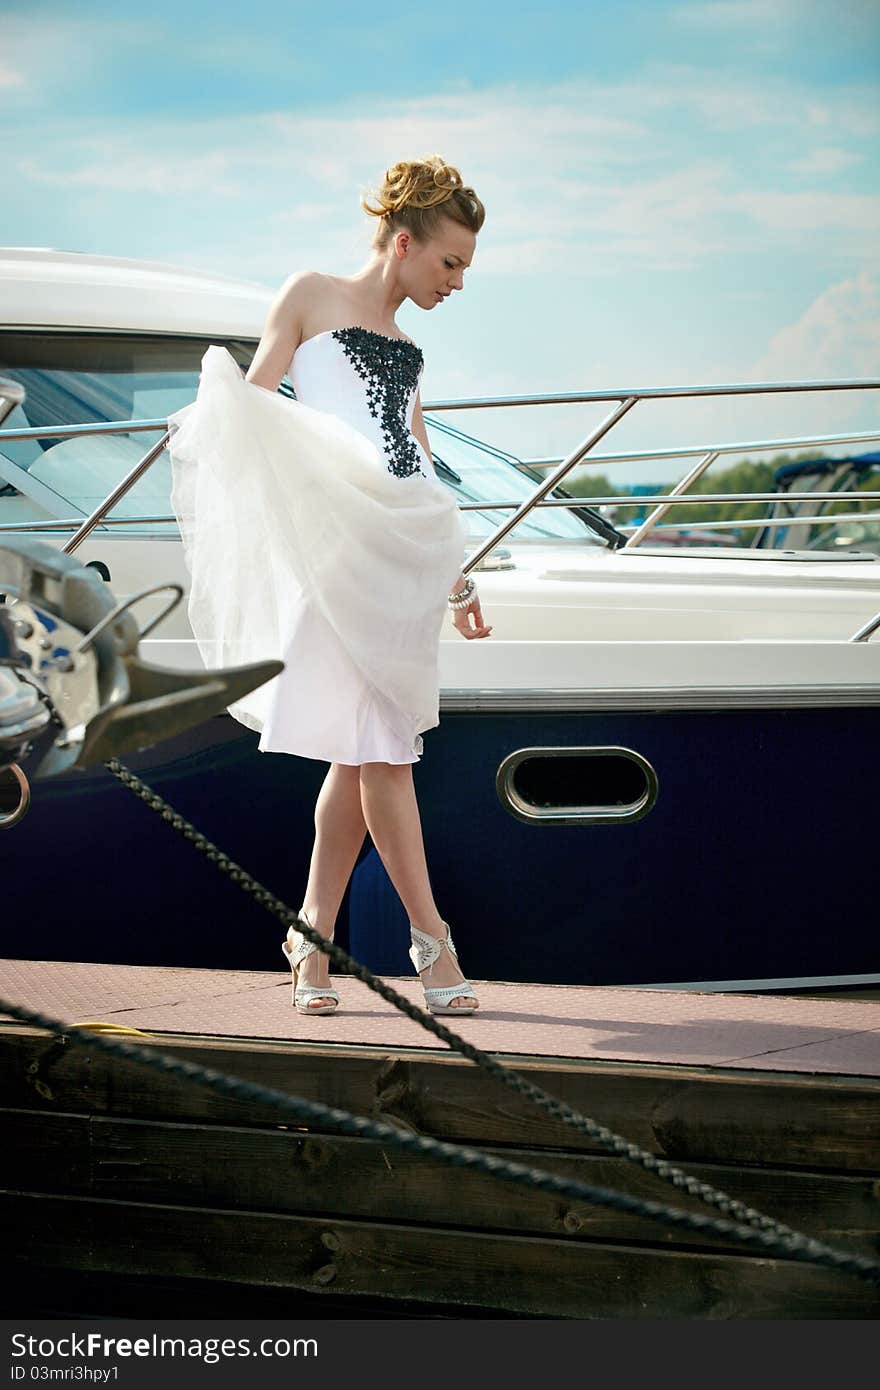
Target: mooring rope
748 1225
792 1246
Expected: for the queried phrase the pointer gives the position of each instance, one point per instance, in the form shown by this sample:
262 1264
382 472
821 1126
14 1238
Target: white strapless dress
317 532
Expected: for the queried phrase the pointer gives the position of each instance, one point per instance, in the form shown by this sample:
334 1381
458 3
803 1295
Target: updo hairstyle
417 194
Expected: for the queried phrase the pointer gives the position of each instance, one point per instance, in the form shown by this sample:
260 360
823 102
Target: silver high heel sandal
297 949
424 951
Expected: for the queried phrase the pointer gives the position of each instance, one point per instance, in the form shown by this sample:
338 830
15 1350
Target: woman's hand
469 621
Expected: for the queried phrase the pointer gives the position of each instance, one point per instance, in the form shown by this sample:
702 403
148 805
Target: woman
318 530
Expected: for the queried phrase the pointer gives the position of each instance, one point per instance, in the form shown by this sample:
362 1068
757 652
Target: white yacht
663 757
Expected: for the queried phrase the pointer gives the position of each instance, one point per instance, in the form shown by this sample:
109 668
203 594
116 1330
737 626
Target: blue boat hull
756 861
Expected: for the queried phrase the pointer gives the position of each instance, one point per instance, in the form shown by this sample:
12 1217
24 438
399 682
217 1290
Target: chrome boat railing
624 402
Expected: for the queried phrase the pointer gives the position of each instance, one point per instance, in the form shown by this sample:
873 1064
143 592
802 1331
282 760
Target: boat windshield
859 524
476 472
855 534
90 378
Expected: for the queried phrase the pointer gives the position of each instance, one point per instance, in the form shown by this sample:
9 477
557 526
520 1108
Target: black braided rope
794 1247
557 1109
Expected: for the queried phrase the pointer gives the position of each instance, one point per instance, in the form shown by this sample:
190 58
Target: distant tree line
747 475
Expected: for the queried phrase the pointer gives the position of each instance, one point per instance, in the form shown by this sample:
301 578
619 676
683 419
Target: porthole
15 795
577 786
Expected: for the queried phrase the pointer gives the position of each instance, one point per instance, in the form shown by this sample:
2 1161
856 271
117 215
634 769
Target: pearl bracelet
463 597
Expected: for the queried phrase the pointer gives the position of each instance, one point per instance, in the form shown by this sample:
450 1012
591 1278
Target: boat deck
751 1031
138 1185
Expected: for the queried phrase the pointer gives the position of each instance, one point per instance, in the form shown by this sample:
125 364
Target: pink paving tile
63 989
779 1033
847 1054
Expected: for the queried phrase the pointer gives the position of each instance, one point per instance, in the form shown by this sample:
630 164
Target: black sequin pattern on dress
390 367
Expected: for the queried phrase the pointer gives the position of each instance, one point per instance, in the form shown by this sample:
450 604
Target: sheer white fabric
302 545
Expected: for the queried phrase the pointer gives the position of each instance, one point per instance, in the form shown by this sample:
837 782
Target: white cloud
134 172
837 336
601 183
578 188
737 105
802 213
735 14
55 52
10 78
822 161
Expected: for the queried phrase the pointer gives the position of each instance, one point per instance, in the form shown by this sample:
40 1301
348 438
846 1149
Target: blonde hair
417 194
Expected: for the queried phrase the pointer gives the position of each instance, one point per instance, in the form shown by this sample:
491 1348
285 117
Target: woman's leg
391 812
339 834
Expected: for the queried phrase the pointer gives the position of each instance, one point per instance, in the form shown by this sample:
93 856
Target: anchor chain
743 1217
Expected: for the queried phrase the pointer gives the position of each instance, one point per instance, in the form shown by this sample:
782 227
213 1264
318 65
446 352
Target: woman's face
431 270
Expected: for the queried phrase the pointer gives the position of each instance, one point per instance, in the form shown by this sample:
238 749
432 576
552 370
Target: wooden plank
51 1293
686 1114
229 1167
526 1275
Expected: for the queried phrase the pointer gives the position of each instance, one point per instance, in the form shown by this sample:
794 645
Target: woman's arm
282 333
418 426
461 617
421 434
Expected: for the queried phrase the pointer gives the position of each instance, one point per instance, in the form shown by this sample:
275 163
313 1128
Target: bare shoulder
291 309
300 290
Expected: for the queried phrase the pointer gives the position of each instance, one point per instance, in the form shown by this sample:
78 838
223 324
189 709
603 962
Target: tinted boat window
86 379
90 378
487 475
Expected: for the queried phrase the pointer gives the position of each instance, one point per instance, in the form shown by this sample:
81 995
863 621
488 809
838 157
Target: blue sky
676 192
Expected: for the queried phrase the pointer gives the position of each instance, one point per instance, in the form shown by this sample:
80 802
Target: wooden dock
129 1192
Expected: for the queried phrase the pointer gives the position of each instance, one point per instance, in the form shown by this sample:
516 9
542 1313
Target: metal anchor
69 657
